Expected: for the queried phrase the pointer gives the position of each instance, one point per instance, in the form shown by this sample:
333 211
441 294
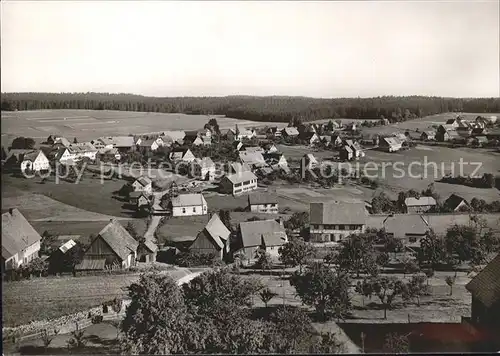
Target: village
268 201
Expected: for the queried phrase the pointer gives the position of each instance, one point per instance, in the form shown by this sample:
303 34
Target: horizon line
250 95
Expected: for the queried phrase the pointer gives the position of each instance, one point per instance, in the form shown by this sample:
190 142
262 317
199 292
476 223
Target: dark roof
336 212
257 199
88 264
118 238
216 230
486 285
17 233
253 233
150 245
453 201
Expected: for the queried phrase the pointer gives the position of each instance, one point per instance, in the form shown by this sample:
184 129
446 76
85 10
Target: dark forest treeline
271 108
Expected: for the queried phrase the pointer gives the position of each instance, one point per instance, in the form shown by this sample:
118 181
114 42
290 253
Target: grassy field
438 307
88 124
52 297
65 200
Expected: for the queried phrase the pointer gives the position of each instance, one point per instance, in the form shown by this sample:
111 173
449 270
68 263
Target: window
413 239
341 227
273 205
194 210
237 185
183 210
246 183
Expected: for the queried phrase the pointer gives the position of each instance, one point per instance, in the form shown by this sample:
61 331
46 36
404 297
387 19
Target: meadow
90 124
52 297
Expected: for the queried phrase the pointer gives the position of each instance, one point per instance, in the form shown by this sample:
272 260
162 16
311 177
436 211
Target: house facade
203 169
143 184
238 183
20 241
113 248
214 238
188 205
263 203
334 221
268 235
485 291
421 205
146 251
428 136
182 155
32 160
390 144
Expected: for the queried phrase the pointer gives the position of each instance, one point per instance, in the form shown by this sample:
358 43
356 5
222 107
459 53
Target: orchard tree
416 288
296 252
357 254
432 250
365 289
386 289
325 290
263 259
156 319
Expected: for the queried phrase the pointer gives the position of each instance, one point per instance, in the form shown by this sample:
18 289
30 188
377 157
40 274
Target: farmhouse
109 154
252 149
58 140
355 147
229 135
32 160
238 183
143 184
421 205
290 132
214 238
263 203
269 235
408 228
310 137
456 203
333 221
273 132
390 144
148 145
326 140
428 135
83 149
346 153
252 159
272 149
464 131
336 140
139 199
244 133
191 137
203 168
113 248
453 122
188 205
181 155
237 167
57 259
122 143
20 241
485 290
171 137
276 158
146 251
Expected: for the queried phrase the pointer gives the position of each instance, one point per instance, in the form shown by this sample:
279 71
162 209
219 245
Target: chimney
11 211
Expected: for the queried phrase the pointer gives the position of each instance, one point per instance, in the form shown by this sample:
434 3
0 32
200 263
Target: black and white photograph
250 177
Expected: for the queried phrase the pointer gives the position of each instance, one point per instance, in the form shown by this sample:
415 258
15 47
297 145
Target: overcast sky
320 49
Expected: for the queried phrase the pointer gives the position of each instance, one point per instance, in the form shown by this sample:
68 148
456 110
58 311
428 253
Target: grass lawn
89 194
438 307
52 297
